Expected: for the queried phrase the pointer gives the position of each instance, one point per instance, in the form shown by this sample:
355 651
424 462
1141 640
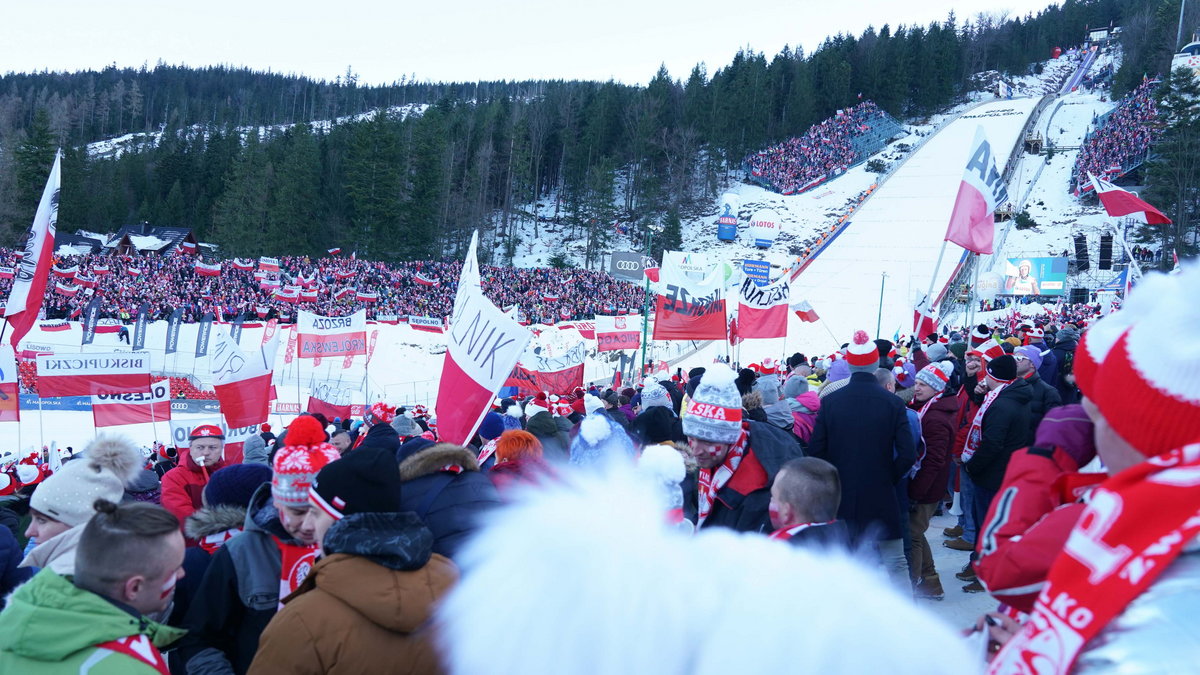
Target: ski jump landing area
898 232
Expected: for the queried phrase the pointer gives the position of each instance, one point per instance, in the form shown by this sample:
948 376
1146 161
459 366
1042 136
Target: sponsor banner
61 404
10 392
554 375
321 336
426 323
139 327
686 309
173 324
764 227
727 218
629 266
203 332
695 265
618 332
1035 276
188 405
91 316
242 380
235 437
153 405
235 329
88 374
284 408
762 310
758 270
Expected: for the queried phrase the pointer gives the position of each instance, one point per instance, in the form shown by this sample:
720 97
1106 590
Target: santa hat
944 340
562 409
1147 386
993 352
979 335
769 366
30 474
297 462
537 404
419 411
1036 334
862 352
8 484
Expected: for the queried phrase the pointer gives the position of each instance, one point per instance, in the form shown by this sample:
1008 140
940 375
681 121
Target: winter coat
145 487
556 444
183 486
1042 398
1005 429
804 415
56 553
863 430
831 536
1049 368
254 450
210 521
1064 351
238 595
51 626
742 503
937 430
367 607
657 424
448 501
11 575
381 436
967 407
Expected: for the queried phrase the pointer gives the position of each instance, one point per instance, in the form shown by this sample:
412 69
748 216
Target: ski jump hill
894 238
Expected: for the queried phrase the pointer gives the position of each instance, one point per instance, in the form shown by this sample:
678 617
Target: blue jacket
11 576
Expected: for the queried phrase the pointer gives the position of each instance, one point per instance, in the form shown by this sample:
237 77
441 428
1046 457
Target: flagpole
971 293
41 430
837 345
933 278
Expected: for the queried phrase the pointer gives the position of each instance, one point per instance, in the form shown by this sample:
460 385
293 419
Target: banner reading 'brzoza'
330 336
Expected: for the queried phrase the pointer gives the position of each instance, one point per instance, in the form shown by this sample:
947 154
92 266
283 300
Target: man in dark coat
380 433
937 408
1043 397
863 431
442 484
737 459
804 503
1065 342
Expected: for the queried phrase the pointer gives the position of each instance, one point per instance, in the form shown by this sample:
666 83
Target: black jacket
831 536
1005 429
1064 351
556 443
1043 397
11 576
743 503
449 502
862 429
381 436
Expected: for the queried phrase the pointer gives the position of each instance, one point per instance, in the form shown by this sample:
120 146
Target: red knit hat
537 404
297 462
516 444
992 352
1096 343
862 351
8 484
384 412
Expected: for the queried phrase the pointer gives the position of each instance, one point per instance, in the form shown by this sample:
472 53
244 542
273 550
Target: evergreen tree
1174 173
34 156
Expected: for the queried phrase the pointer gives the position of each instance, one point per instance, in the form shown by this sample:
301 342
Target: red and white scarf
212 542
975 435
139 648
783 534
1136 524
297 562
928 404
710 481
487 451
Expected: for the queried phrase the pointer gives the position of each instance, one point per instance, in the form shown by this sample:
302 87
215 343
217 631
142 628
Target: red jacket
183 486
1028 523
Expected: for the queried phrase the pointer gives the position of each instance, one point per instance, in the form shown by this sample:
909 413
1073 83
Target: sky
462 40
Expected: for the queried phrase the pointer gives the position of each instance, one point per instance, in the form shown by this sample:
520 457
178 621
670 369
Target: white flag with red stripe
805 311
614 333
153 405
33 271
972 222
332 335
243 379
1118 202
93 373
208 270
762 310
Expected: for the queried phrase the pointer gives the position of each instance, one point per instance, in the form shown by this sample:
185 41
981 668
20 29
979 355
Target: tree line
239 161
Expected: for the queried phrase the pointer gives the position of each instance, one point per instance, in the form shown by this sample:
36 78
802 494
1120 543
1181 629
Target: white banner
321 336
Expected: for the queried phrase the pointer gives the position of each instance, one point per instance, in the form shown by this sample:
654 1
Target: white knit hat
107 464
654 395
862 353
714 411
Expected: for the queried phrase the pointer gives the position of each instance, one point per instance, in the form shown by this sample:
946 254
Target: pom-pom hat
862 352
298 462
936 375
108 463
714 411
979 335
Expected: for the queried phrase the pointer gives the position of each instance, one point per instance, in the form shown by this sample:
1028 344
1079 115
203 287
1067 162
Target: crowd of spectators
824 150
343 285
1126 135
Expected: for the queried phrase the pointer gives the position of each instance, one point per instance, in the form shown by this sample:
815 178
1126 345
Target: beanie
537 404
979 335
1003 368
491 426
936 352
794 386
903 379
265 428
297 462
1098 341
1148 387
862 354
655 395
1030 352
235 484
108 463
936 375
517 444
714 412
996 350
382 412
366 480
958 349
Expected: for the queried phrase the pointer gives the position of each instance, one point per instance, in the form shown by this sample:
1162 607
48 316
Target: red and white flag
133 271
424 280
208 270
618 332
10 389
266 264
309 296
363 296
689 309
66 289
186 248
66 272
243 379
924 322
321 336
426 323
762 310
33 272
153 405
7 272
93 373
560 374
344 293
805 311
243 265
1118 202
329 410
972 222
334 251
483 346
101 270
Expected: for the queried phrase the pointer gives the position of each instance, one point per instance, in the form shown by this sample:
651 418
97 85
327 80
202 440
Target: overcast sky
462 40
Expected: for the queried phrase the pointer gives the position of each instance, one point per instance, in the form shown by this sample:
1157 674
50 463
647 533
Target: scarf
928 404
487 451
297 562
785 533
975 435
1134 527
710 481
212 542
139 648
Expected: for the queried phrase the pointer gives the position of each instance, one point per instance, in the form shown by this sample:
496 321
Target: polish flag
805 311
187 248
344 293
154 405
342 276
66 289
208 270
67 272
266 264
924 322
762 310
100 270
93 373
243 379
334 251
424 280
366 297
243 265
7 272
309 296
972 222
133 271
33 272
329 410
1118 202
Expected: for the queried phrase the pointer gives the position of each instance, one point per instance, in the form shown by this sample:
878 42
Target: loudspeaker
1079 296
1106 242
1081 252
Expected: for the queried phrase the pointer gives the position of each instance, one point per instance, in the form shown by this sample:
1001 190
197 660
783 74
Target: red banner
329 410
243 380
560 382
762 310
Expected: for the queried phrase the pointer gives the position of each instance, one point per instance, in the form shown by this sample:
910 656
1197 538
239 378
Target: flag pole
933 278
41 429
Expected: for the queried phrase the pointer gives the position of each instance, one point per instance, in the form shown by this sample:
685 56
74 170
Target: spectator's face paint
295 521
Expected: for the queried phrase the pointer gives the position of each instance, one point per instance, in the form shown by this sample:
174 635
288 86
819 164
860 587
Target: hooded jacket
51 626
938 431
11 574
366 607
1005 429
556 444
443 486
238 595
183 486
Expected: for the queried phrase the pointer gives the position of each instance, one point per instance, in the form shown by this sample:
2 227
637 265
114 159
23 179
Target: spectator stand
1120 140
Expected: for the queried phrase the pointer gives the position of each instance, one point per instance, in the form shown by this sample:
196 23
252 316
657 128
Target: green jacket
50 626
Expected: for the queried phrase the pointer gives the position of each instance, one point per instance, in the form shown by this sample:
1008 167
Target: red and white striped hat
1098 341
537 404
862 351
979 335
992 352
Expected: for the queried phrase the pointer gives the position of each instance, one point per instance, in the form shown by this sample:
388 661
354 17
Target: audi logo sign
628 266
